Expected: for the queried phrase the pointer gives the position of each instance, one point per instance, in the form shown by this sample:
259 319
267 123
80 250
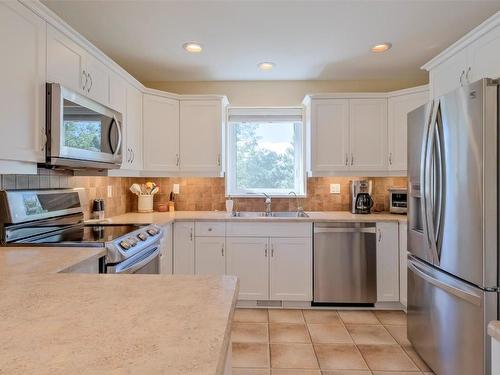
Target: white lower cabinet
166 246
387 262
403 263
210 256
184 248
291 269
247 258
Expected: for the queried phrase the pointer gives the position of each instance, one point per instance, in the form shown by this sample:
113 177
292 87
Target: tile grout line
354 342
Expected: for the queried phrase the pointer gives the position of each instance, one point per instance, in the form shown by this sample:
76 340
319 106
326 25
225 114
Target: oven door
82 132
146 262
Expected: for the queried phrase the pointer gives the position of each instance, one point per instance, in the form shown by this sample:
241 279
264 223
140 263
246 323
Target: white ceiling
308 40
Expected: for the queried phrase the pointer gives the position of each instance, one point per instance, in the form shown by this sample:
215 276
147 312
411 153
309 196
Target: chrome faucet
300 209
267 202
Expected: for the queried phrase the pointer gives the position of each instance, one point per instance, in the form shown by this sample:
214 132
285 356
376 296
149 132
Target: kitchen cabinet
161 133
201 136
368 134
166 250
22 92
184 248
210 256
472 57
132 150
247 258
387 262
403 263
73 67
330 135
400 103
118 94
290 269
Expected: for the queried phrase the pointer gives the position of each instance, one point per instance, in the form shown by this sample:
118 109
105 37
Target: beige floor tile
250 355
249 332
369 334
334 333
286 332
250 315
358 317
387 358
286 316
349 372
339 357
399 333
391 317
416 358
250 371
321 316
396 373
281 371
293 356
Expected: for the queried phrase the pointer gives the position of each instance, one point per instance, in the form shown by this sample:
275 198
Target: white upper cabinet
132 149
98 76
201 136
471 58
22 92
329 135
161 133
368 134
399 105
118 94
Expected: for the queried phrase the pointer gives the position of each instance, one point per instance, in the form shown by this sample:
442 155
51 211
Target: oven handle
148 257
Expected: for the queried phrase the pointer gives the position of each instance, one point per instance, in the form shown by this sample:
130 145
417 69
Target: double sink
270 214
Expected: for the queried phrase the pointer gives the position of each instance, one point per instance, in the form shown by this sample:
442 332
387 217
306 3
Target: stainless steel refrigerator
453 228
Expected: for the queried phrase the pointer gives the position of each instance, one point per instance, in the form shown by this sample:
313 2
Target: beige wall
279 93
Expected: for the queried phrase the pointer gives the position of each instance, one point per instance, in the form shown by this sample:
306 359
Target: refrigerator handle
460 293
440 188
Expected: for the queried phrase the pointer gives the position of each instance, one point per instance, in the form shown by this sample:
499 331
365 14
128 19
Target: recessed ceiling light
192 47
266 65
381 47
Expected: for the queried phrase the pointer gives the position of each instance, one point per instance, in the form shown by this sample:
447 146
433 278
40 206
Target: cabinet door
403 261
65 61
483 56
387 262
22 92
118 93
97 86
184 248
329 135
368 134
166 250
210 256
398 108
291 269
248 259
133 150
201 136
446 77
161 133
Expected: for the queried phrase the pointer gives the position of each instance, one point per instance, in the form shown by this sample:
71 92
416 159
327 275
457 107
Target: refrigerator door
461 183
418 128
447 321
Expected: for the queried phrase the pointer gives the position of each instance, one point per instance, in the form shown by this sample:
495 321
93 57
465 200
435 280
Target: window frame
300 156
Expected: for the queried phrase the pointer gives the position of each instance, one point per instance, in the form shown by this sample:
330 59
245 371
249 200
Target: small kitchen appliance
398 200
55 218
361 196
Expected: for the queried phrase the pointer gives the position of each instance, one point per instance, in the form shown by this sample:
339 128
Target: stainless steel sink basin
273 214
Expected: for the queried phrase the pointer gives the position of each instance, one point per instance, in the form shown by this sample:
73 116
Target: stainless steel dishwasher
345 263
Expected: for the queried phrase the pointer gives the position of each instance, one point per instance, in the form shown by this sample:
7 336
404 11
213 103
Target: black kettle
364 203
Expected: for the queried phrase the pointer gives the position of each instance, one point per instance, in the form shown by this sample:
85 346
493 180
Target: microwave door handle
119 142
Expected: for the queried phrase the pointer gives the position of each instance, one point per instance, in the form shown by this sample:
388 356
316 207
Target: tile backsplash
199 194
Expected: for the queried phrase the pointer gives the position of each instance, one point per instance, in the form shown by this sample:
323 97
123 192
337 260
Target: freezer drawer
447 320
345 263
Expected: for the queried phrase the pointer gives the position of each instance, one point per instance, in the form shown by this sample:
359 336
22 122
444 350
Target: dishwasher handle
346 230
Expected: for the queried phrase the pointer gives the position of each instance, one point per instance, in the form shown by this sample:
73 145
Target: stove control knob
142 236
152 232
132 241
125 245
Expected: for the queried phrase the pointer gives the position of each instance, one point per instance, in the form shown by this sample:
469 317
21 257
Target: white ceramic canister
145 203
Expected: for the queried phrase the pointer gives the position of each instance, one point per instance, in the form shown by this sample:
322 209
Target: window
265 151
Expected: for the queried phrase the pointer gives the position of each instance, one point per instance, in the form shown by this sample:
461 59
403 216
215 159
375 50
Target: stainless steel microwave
81 133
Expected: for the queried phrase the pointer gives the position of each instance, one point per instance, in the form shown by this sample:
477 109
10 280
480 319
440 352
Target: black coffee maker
361 196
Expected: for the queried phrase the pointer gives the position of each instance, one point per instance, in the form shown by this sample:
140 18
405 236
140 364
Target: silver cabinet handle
128 155
85 79
346 159
390 158
191 234
133 155
90 77
218 160
352 159
265 250
272 250
222 250
177 160
461 77
379 235
467 74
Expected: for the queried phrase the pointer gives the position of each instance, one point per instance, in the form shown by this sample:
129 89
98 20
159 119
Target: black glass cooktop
83 235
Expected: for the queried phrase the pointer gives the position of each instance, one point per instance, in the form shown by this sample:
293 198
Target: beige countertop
494 329
162 218
66 323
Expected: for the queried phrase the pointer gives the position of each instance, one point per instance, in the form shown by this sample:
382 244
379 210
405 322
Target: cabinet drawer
210 229
269 229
